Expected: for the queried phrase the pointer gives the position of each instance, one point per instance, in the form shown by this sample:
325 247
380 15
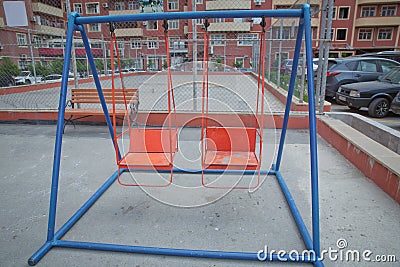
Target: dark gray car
353 70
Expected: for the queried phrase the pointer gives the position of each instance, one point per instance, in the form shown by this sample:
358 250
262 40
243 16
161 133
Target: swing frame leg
312 243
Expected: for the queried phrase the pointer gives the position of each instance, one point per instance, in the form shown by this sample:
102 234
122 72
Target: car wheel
354 108
379 108
28 82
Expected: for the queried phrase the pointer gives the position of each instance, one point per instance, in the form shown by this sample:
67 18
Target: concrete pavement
352 207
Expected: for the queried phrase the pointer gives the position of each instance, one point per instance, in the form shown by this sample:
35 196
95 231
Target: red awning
55 52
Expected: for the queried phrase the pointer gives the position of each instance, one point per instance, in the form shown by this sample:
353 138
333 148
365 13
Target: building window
388 11
199 1
23 64
385 34
173 24
152 43
21 39
238 20
218 39
152 25
78 8
368 11
152 63
133 5
173 4
94 27
119 6
333 13
92 8
37 41
365 34
246 39
344 12
239 62
332 35
341 34
218 20
285 33
199 21
283 55
136 44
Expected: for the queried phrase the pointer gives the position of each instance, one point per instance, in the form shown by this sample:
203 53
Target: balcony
47 9
225 5
287 22
229 27
377 21
50 30
124 12
386 2
129 32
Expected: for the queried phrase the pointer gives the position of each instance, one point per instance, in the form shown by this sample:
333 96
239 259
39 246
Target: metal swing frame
311 240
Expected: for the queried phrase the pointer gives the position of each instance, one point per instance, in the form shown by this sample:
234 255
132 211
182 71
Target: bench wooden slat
90 95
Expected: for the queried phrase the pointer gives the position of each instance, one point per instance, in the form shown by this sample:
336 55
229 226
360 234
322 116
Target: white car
26 77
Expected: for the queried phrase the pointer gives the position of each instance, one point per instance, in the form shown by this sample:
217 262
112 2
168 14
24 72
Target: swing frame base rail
58 242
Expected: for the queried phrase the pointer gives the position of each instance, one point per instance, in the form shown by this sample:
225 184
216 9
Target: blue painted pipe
213 254
295 212
207 171
85 207
38 255
285 13
313 131
290 93
60 128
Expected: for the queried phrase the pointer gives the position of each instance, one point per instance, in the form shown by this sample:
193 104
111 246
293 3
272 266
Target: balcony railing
363 2
124 12
129 32
47 9
377 21
224 5
289 22
229 27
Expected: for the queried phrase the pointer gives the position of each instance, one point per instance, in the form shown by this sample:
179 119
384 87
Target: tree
57 66
8 68
99 64
238 64
40 69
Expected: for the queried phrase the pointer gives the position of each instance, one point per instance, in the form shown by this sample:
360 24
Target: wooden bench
90 96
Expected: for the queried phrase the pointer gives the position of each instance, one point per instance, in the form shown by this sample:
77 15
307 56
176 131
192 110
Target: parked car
287 64
376 95
355 69
395 107
52 78
6 81
393 55
27 77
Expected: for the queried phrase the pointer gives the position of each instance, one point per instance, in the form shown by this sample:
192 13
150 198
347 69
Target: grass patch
285 79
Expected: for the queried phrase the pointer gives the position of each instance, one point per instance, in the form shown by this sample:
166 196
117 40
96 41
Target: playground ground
352 207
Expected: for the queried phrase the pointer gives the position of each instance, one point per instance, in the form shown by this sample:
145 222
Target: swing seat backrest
152 140
239 139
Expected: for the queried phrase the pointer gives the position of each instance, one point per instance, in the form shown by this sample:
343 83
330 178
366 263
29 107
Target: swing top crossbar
285 13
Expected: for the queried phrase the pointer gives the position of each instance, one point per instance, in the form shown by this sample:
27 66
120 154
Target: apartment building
358 27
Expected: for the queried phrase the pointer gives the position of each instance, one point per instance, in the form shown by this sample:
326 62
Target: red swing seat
231 148
151 148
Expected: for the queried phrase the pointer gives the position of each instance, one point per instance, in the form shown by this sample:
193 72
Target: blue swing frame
311 241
